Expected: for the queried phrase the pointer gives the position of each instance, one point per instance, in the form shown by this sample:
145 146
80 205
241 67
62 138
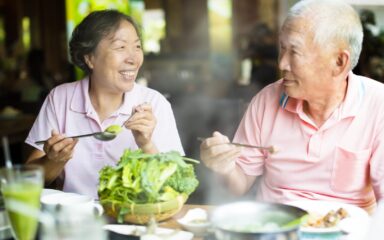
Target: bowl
256 221
142 213
195 221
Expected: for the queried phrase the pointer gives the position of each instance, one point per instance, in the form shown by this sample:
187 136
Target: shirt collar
81 101
354 96
350 105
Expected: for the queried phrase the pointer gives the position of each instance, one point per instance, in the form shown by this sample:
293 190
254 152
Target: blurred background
208 57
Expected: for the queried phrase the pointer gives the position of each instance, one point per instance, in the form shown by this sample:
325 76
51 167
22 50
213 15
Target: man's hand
142 123
218 155
59 148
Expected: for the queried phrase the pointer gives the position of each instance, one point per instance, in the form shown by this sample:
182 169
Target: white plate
356 223
48 191
136 230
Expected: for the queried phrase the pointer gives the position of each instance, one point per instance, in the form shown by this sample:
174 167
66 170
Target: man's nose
284 64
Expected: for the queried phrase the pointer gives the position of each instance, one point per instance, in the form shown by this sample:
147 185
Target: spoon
102 136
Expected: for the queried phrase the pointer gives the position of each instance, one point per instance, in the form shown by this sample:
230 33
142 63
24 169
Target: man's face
306 66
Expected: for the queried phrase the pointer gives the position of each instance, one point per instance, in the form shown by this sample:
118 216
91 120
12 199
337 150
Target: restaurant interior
208 57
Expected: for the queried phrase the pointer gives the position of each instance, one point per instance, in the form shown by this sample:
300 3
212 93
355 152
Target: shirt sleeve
377 165
165 135
248 132
44 123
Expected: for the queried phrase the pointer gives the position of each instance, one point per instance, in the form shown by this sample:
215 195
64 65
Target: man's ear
342 63
88 61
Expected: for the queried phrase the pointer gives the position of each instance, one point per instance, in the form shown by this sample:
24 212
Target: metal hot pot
256 221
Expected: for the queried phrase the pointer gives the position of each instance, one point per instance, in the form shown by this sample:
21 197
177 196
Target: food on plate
142 178
198 221
331 219
115 129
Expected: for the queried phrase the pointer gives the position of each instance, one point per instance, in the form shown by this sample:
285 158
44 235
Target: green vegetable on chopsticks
147 178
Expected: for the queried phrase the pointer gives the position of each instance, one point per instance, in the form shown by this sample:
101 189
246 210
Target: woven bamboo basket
142 213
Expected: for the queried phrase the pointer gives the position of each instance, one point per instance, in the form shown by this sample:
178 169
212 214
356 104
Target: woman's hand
142 123
218 155
59 148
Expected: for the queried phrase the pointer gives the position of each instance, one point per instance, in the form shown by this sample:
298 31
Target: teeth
128 73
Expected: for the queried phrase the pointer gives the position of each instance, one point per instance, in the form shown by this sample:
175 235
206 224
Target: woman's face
116 60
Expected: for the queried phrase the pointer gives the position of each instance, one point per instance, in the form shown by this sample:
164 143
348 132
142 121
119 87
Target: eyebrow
296 44
123 40
291 42
118 40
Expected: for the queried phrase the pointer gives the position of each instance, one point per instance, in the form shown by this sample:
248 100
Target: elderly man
326 122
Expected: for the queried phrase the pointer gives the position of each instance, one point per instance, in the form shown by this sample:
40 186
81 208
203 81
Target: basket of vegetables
144 186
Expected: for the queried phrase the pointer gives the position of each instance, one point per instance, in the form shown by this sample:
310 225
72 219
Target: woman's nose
131 57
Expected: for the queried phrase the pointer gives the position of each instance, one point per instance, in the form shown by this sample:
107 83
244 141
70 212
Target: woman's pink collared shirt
68 109
343 160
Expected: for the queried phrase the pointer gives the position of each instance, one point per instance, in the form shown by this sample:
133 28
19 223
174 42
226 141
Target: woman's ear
88 61
342 64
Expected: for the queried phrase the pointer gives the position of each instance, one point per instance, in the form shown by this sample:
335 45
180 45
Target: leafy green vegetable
183 180
147 178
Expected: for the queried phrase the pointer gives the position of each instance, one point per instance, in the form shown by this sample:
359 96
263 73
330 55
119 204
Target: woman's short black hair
87 35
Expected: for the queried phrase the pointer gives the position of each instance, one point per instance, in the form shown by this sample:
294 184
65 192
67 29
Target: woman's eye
119 47
138 46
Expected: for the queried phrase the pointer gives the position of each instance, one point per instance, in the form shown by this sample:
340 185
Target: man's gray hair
332 22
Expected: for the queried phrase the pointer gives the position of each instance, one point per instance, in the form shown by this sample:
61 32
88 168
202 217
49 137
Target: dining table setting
356 226
145 196
81 217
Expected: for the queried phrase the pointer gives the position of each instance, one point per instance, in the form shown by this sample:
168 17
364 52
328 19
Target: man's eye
294 52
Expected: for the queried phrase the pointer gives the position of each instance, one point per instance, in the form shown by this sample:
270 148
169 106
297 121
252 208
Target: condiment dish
195 221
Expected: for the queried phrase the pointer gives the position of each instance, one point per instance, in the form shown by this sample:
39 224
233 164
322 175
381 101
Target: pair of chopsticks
270 149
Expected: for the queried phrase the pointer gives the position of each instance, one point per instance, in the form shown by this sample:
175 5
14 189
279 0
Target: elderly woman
326 122
107 46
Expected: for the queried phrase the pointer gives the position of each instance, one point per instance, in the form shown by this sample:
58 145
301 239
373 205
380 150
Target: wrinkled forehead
297 28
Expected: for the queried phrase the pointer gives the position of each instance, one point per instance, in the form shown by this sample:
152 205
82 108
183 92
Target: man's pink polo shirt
343 160
68 109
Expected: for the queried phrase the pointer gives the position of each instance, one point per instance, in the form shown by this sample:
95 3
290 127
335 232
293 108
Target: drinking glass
73 224
21 186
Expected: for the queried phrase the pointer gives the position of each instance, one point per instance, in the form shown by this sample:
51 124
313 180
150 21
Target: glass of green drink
21 186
